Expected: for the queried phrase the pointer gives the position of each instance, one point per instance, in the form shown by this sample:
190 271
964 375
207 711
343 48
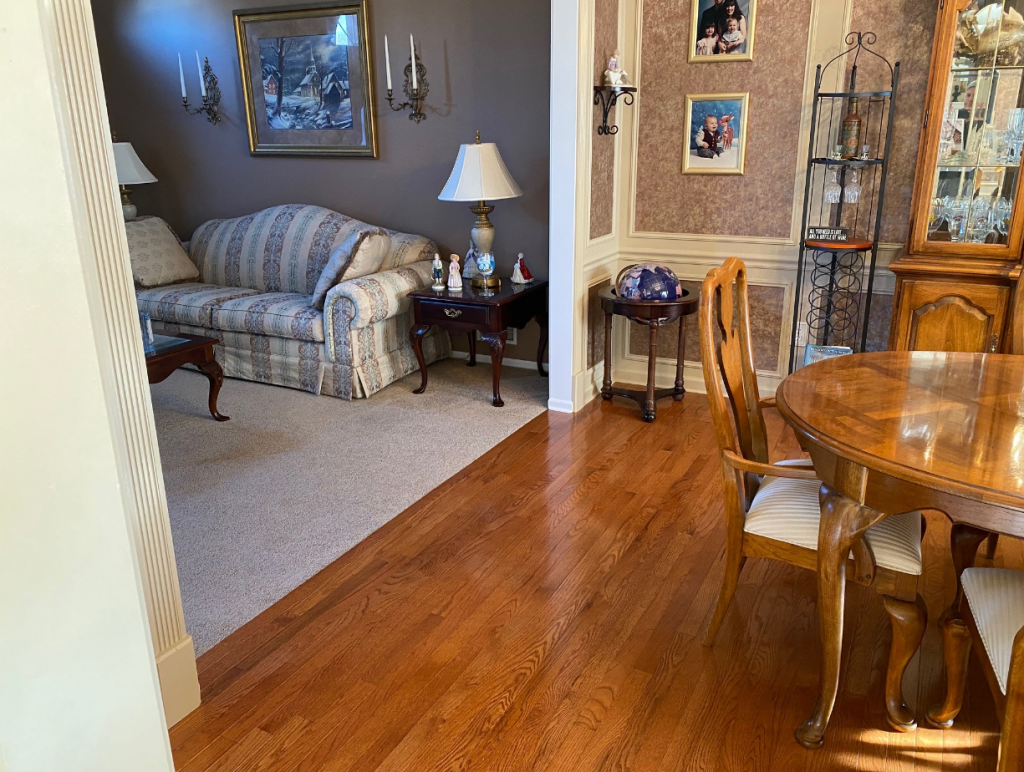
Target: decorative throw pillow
156 255
359 255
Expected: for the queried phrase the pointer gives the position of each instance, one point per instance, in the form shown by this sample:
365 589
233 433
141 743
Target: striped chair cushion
280 249
788 511
187 303
996 598
278 314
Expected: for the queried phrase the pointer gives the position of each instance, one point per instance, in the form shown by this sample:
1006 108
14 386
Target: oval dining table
894 432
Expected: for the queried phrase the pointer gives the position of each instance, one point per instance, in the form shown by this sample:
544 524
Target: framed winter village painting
715 136
306 80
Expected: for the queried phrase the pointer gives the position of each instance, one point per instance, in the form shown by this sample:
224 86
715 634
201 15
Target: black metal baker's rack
835 298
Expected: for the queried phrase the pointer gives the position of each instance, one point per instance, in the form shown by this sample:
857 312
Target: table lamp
480 175
130 171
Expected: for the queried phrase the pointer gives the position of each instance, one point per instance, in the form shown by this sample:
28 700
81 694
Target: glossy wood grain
953 422
897 431
543 610
736 407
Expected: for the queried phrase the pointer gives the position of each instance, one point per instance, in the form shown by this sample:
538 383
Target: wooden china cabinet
957 283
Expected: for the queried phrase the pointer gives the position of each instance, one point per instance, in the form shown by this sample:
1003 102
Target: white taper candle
181 75
387 61
202 80
412 48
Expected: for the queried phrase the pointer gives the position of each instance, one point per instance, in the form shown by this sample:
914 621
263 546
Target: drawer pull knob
452 312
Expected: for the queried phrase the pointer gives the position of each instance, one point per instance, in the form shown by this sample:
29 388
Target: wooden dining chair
992 612
773 510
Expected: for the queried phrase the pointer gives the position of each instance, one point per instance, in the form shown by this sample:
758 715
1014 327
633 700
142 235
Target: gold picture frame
307 80
698 9
722 158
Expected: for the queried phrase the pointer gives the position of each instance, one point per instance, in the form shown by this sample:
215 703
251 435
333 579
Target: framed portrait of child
716 133
722 30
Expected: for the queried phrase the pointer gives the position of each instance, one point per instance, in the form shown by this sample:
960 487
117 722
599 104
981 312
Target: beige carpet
262 502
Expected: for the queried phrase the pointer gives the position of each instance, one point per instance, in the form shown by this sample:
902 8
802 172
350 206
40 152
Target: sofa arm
361 302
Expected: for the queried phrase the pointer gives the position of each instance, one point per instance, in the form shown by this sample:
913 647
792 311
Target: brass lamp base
484 282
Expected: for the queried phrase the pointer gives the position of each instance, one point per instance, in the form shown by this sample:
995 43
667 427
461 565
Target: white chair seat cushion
788 511
996 598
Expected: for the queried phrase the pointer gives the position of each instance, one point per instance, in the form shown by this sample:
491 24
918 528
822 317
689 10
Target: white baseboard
179 681
560 405
633 369
523 364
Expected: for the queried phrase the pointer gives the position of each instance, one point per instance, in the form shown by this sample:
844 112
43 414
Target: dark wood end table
653 314
490 313
180 349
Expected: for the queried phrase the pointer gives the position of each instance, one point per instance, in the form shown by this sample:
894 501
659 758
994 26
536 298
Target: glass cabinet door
981 135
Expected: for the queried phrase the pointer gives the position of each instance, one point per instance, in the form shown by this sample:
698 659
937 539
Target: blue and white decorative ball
648 281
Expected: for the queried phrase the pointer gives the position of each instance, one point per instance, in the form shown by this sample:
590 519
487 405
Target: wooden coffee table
490 313
174 351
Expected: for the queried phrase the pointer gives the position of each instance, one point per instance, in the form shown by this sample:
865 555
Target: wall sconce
415 87
208 86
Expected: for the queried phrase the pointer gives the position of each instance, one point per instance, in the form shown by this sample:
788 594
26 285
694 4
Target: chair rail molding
80 101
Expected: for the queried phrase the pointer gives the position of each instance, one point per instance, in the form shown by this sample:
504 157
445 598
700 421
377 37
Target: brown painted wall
488 69
602 174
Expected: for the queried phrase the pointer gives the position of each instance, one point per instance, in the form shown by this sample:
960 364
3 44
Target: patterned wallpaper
602 174
760 202
595 325
767 306
909 42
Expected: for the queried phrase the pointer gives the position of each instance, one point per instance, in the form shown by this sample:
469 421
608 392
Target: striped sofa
266 292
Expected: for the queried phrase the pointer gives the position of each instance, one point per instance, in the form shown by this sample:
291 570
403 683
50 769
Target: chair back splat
728 361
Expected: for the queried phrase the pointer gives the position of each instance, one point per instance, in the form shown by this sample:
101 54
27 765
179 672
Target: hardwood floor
543 610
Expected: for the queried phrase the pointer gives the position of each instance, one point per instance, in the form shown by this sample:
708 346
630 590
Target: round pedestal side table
654 314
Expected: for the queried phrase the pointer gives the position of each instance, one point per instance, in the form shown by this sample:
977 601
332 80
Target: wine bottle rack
835 279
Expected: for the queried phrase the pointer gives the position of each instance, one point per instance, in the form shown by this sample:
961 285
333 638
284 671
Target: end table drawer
440 313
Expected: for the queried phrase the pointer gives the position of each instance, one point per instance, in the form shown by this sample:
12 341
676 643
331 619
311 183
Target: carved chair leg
1011 741
909 620
991 546
956 648
964 542
843 522
734 561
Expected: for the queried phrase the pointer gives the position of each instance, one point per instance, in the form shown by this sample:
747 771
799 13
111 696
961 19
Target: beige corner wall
79 686
692 223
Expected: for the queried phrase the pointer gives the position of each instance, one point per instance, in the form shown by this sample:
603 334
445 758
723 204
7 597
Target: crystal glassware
957 218
851 191
1001 215
1015 128
832 189
981 222
936 216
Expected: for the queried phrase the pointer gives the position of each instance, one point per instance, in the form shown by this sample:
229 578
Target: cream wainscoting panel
121 347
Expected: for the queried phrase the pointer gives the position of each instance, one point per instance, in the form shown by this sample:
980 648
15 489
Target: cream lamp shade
130 171
479 175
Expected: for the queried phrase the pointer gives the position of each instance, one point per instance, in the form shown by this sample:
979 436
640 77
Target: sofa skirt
304 365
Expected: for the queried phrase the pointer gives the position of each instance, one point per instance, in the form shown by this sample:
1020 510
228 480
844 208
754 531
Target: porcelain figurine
469 269
454 278
615 75
437 268
521 274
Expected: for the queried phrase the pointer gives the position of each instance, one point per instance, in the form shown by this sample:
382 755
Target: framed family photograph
307 81
722 30
716 133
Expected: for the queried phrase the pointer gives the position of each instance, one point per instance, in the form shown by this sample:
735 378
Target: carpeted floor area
262 502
